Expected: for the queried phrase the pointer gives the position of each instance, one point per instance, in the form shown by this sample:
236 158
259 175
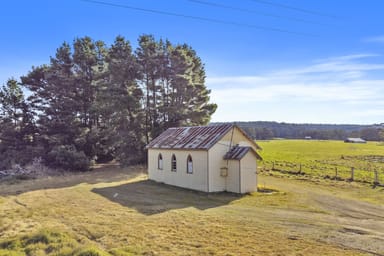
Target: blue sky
277 60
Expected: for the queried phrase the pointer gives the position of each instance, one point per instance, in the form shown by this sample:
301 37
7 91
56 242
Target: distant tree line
268 130
96 103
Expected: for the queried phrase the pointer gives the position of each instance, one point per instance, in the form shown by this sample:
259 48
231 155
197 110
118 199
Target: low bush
68 158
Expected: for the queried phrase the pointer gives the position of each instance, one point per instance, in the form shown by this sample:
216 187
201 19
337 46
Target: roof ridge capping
195 137
201 126
184 137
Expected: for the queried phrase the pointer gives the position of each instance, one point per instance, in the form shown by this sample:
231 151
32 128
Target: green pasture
325 158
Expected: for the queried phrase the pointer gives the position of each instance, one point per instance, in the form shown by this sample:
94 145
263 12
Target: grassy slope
133 216
321 157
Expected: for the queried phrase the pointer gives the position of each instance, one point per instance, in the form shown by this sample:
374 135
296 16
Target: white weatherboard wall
238 137
197 180
207 166
232 182
242 177
216 161
248 175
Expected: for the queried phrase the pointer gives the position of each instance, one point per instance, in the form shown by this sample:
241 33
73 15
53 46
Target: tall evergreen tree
89 64
120 104
63 93
172 80
52 90
17 128
11 101
148 55
188 97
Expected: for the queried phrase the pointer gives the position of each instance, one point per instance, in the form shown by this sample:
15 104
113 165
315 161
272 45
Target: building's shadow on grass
101 174
149 197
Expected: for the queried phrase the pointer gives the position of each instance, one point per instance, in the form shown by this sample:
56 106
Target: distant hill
268 130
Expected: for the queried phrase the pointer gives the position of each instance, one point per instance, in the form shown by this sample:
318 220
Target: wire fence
373 174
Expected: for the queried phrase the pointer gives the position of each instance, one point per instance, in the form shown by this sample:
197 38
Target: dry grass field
113 211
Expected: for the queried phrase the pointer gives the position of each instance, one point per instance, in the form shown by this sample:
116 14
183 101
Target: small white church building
205 158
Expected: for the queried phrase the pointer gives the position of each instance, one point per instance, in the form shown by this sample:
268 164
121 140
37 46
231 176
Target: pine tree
63 93
89 64
148 56
120 104
188 97
11 100
172 79
17 128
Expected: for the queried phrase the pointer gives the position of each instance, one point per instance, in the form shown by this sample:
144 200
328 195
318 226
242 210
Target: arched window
160 162
173 167
189 164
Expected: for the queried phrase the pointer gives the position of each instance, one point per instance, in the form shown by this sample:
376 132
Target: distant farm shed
354 140
205 158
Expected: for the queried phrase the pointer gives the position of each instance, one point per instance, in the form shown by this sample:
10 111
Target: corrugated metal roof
238 152
195 137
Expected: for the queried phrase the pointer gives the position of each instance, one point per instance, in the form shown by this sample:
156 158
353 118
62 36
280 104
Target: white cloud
331 89
349 57
371 112
375 39
350 92
343 66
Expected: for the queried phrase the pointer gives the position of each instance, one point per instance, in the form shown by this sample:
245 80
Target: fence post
352 173
336 172
300 168
376 178
273 165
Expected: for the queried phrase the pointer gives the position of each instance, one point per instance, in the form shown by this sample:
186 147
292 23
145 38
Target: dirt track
335 216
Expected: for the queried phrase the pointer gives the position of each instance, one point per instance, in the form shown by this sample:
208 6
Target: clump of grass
91 251
44 237
48 242
126 251
10 244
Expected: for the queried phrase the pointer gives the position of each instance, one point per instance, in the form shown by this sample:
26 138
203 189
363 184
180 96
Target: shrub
68 158
10 157
37 167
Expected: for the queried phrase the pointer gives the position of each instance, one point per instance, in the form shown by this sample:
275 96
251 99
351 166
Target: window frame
189 166
173 163
160 162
